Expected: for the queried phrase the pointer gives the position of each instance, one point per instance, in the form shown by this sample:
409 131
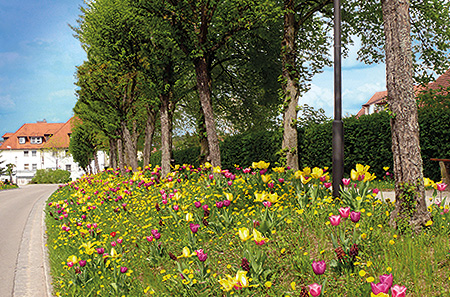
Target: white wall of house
28 161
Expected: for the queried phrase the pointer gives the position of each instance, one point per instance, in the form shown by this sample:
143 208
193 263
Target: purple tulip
319 267
355 216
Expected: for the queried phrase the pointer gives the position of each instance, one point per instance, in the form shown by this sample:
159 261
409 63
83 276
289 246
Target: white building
40 145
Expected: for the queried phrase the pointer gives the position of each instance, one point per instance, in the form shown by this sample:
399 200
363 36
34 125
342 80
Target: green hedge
49 176
367 140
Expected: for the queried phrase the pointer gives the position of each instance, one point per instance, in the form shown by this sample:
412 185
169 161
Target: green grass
296 230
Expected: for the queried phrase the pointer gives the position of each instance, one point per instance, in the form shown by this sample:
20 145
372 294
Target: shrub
50 176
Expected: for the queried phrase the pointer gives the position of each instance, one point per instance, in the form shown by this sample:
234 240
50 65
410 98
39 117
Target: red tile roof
442 81
58 133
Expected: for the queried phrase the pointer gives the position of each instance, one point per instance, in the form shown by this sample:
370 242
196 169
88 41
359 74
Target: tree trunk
149 132
290 87
204 91
121 154
204 150
130 146
410 206
113 153
166 135
97 166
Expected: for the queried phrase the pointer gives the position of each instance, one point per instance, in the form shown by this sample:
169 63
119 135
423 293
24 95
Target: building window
34 167
68 167
21 140
36 140
25 153
26 166
33 153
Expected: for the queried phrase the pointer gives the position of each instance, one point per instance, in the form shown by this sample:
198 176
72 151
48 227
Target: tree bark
149 132
121 154
203 140
290 87
130 146
113 153
410 206
166 135
204 91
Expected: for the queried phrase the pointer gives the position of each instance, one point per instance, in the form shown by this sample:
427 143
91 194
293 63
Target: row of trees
217 61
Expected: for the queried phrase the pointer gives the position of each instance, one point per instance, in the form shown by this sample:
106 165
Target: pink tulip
327 185
398 291
344 212
335 220
375 191
267 203
387 279
230 182
113 243
197 204
119 241
379 288
176 207
346 181
441 187
319 267
194 227
149 238
315 289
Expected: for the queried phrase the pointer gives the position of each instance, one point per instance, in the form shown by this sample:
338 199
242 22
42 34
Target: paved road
22 256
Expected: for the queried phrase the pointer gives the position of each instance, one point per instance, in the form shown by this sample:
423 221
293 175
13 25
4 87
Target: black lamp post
338 126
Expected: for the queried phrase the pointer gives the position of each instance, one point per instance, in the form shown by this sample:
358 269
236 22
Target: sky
39 55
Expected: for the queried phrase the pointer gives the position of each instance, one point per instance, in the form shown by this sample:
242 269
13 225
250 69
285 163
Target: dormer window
21 140
36 140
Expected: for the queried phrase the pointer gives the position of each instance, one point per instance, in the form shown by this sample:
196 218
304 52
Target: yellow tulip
272 197
258 237
189 217
316 172
244 234
73 259
260 197
229 196
265 178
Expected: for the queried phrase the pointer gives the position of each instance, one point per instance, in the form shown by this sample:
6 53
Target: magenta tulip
375 191
194 227
398 291
441 187
344 212
267 203
379 288
319 267
197 204
335 220
355 216
123 269
387 279
346 181
315 289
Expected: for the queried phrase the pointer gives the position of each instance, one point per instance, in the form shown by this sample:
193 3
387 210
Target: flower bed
249 232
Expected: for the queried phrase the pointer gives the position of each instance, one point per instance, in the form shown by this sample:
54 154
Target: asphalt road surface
22 256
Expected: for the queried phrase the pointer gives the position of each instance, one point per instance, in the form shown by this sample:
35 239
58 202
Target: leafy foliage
50 176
